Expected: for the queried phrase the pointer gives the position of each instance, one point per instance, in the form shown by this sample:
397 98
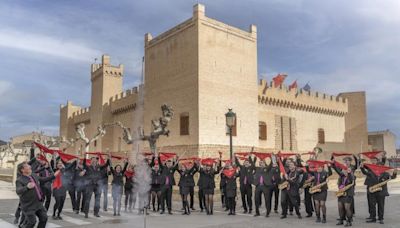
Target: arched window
184 123
321 136
262 130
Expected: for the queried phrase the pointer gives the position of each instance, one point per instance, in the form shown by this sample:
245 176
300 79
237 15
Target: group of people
272 175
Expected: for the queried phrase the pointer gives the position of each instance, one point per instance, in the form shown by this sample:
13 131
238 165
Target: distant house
383 141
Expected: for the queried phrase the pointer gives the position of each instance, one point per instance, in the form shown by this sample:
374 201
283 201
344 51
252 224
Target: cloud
10 38
5 87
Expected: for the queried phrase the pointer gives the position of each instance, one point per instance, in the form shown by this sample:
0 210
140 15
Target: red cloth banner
66 157
229 172
262 156
286 155
281 167
129 174
378 169
338 154
45 149
371 154
57 182
208 161
316 163
278 80
340 165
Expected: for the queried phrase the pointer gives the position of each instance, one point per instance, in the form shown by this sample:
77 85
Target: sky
46 48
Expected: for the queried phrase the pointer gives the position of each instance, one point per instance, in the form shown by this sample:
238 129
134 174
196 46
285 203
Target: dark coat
28 198
118 178
187 179
245 173
94 174
167 173
323 176
373 180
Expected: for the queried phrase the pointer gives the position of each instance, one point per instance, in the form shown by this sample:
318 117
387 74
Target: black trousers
80 198
30 218
246 193
129 196
377 200
308 202
71 192
370 206
231 203
191 194
90 189
286 199
202 200
47 197
166 196
262 189
274 190
59 204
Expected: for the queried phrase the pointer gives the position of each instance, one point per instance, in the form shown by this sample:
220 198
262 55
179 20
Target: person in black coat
186 181
376 198
80 184
69 174
155 189
263 182
317 177
290 195
117 184
207 183
30 195
246 172
346 178
129 187
202 199
230 174
93 174
60 187
167 181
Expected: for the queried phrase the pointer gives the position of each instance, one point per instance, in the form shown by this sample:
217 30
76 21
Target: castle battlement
124 101
299 99
199 14
105 67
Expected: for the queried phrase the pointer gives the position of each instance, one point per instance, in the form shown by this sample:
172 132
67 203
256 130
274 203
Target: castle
201 68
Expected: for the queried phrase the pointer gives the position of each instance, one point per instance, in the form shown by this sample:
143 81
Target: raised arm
237 162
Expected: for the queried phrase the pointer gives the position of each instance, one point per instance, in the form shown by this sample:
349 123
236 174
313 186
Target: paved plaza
220 219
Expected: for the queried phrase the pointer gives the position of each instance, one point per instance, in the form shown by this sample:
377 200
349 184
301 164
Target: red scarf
45 149
262 156
208 161
286 155
316 163
229 172
57 182
281 167
129 174
337 154
371 154
66 157
378 169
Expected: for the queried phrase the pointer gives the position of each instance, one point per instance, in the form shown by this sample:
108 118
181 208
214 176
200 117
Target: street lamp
230 122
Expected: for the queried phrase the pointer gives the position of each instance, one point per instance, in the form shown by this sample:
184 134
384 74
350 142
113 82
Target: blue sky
46 48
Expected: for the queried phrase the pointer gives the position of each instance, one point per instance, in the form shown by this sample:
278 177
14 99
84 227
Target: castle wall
171 77
227 79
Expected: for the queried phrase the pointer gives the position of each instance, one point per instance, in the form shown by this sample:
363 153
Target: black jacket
28 198
46 172
155 177
245 173
296 180
94 174
167 173
207 178
186 179
118 178
373 180
323 176
265 172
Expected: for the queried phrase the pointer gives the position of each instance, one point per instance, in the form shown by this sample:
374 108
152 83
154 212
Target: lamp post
230 118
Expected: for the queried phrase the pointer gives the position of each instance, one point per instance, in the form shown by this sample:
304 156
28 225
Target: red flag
316 163
129 174
262 156
242 158
42 158
208 161
45 149
340 165
66 157
371 154
229 172
190 159
242 153
293 85
378 169
281 167
57 182
166 156
278 80
286 155
337 154
117 157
